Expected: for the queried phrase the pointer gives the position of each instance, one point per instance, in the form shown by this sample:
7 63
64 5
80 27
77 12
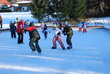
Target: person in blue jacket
12 29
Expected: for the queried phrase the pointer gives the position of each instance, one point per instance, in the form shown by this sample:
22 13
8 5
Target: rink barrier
88 27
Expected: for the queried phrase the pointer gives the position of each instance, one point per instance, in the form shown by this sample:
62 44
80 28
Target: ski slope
90 54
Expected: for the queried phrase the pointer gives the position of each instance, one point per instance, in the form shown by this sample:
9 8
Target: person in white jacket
57 37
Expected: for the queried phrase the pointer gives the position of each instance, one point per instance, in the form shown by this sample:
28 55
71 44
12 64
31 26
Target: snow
23 2
90 54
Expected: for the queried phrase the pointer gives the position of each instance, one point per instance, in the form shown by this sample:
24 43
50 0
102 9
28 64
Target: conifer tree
78 9
37 8
66 8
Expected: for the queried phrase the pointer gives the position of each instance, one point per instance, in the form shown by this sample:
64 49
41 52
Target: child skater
80 26
57 37
45 31
84 27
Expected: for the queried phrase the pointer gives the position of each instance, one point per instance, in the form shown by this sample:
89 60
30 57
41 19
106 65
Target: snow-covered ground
11 16
7 17
90 54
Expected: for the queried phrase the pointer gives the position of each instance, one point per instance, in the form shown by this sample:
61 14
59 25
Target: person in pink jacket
57 37
19 31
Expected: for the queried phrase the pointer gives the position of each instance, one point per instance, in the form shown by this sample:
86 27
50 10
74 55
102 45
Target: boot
53 48
69 47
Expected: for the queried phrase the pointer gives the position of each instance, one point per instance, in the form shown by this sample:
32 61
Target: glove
58 33
65 33
38 38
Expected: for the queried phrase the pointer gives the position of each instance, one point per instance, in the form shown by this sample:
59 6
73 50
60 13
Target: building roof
4 2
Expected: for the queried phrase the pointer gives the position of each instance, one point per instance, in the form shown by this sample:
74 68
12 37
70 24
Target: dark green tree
37 8
78 9
66 8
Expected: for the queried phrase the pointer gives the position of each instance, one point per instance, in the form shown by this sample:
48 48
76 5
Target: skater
0 21
57 37
84 27
54 25
45 31
42 26
80 26
69 32
12 29
34 38
26 24
16 21
19 30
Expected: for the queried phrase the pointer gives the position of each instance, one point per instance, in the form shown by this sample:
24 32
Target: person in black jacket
34 38
69 32
45 31
12 29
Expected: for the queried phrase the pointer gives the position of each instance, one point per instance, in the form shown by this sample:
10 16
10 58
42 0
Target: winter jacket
67 30
33 33
20 25
84 26
12 27
58 32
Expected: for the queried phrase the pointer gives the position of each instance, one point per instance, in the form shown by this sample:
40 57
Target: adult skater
69 32
0 21
34 38
19 30
57 37
12 29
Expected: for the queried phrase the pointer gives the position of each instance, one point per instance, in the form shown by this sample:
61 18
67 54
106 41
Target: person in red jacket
19 30
34 37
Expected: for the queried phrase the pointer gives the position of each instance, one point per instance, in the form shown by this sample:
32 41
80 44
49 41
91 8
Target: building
4 2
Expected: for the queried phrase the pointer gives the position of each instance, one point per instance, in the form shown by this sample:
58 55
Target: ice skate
53 48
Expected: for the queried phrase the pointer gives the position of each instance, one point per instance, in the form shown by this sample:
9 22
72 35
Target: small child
84 27
45 31
57 37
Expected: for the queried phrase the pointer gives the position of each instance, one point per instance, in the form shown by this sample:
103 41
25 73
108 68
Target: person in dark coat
69 32
34 38
45 31
13 30
0 21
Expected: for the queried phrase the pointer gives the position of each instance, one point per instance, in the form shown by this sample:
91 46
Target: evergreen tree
37 8
78 9
66 8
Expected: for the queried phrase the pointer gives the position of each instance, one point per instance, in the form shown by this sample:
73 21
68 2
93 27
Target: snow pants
58 38
84 30
68 40
80 29
1 25
45 34
13 34
20 38
36 46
